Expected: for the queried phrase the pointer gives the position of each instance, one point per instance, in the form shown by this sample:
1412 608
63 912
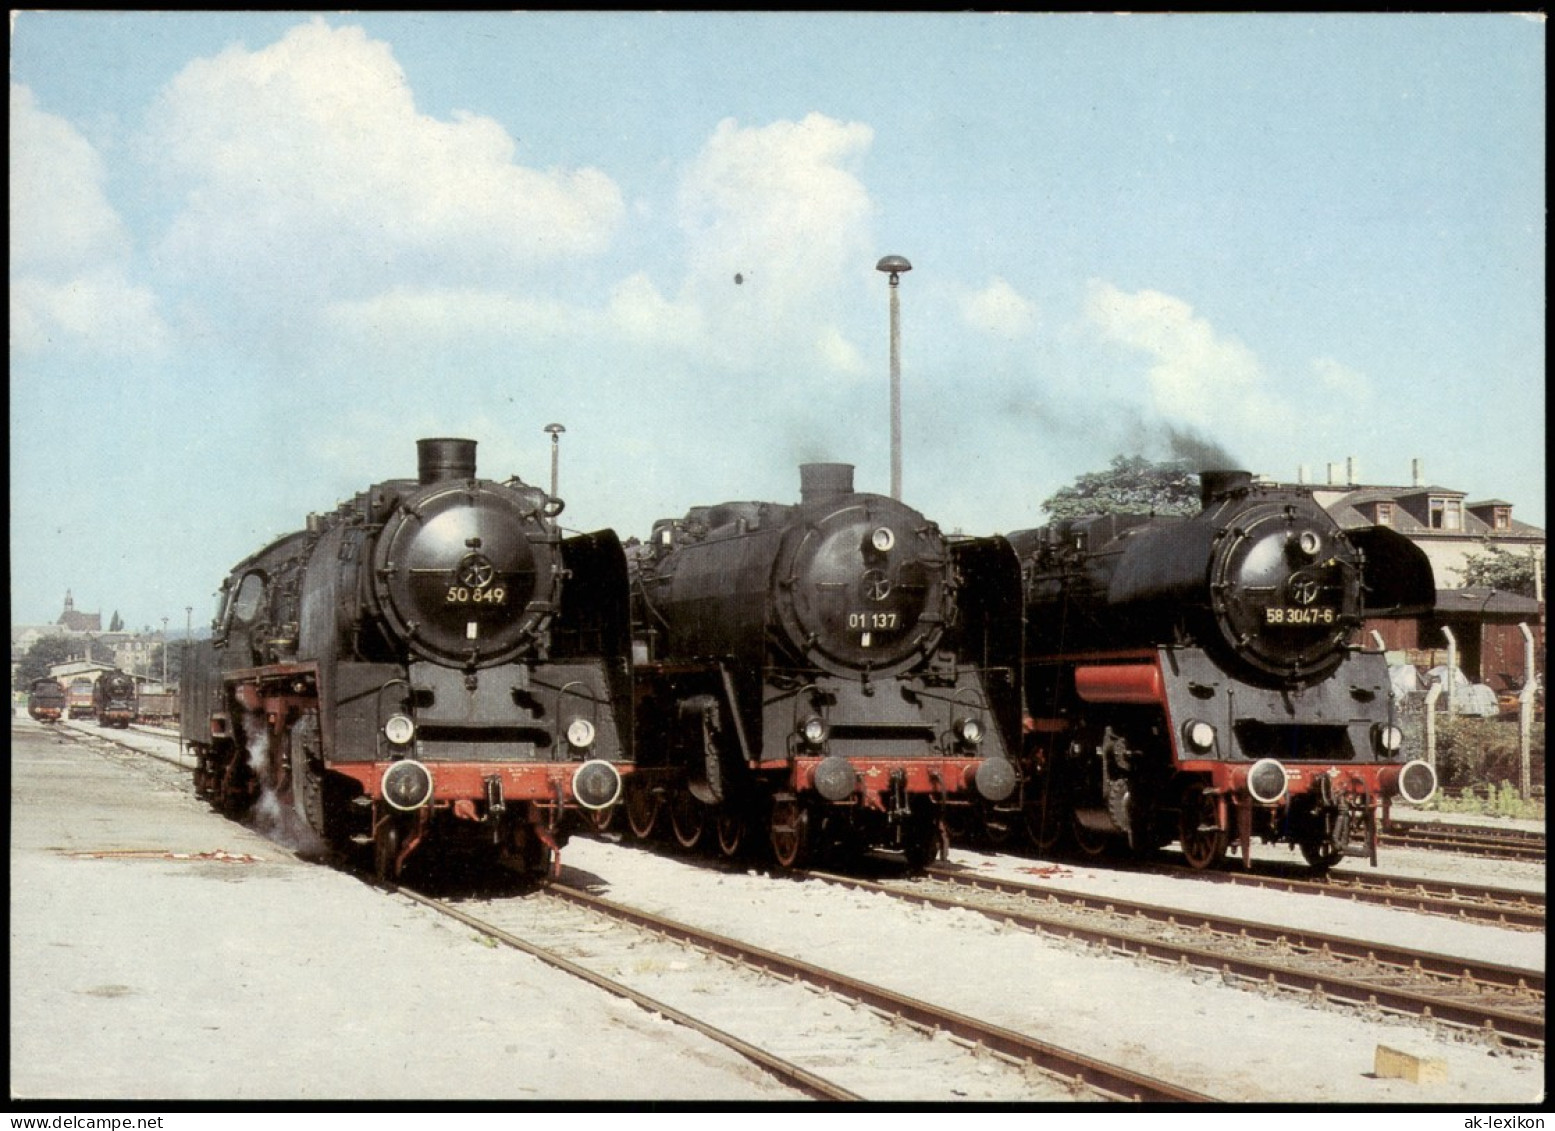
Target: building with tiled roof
73 621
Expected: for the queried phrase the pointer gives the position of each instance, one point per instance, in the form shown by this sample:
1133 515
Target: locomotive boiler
115 699
1197 678
45 700
836 674
432 663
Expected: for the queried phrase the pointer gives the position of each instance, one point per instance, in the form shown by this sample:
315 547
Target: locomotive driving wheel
1203 841
642 811
688 818
730 826
1090 841
790 833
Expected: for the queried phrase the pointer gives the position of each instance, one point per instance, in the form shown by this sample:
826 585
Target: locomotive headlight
399 729
1309 543
969 731
1388 739
580 732
407 785
882 539
813 731
1198 734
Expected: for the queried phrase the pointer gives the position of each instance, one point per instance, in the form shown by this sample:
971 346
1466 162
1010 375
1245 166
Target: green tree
1499 569
117 623
44 654
1132 485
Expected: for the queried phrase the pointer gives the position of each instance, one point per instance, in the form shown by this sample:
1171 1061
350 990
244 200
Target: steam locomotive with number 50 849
1196 678
433 664
831 676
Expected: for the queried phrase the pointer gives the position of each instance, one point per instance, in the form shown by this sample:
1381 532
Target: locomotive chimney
437 460
821 481
1214 484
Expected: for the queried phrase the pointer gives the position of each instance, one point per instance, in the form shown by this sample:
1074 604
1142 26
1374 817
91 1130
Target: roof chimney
1417 472
1349 471
1301 474
1333 474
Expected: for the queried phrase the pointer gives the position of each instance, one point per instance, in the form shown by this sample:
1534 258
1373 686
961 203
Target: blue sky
255 256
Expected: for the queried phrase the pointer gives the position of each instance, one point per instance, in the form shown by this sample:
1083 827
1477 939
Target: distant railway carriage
158 708
45 700
114 699
78 699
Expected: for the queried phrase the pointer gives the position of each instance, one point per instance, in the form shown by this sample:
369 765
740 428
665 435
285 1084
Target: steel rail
1505 1024
1066 1064
1502 907
807 1082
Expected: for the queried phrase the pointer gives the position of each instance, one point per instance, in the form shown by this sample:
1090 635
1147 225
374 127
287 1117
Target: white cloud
999 310
307 161
1198 375
777 207
69 276
1337 378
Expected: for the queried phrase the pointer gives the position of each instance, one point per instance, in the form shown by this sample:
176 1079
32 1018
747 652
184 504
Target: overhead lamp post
555 430
164 653
895 266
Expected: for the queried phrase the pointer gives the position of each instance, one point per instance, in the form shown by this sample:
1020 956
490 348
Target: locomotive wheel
731 832
924 840
688 819
386 851
642 812
1044 825
790 834
1090 842
1203 844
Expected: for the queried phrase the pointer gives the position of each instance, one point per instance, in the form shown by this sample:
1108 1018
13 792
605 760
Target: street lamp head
893 265
553 429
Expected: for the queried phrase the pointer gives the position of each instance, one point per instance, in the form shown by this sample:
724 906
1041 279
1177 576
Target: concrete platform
161 952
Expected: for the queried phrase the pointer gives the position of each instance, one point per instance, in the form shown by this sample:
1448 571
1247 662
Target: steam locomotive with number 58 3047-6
1199 679
431 666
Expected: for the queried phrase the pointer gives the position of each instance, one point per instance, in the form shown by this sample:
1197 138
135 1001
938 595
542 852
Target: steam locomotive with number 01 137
1196 678
431 664
115 699
831 676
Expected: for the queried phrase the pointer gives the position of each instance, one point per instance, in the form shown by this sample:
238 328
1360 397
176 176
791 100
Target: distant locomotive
836 674
45 700
114 699
1194 678
432 663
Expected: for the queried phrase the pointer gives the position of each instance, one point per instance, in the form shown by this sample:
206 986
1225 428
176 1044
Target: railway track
1472 840
806 1013
1501 907
1503 1003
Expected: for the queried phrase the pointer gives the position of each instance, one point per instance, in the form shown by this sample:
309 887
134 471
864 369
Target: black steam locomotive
1195 678
115 699
832 674
431 663
45 700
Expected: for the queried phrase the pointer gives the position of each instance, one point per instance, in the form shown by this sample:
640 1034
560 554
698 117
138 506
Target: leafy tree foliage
117 623
1499 569
44 654
1132 485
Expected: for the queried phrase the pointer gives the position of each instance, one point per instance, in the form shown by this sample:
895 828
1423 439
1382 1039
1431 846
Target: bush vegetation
1478 767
